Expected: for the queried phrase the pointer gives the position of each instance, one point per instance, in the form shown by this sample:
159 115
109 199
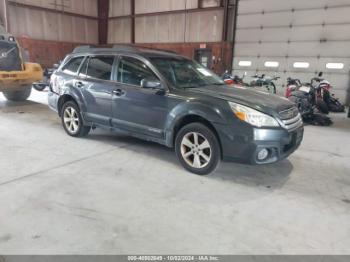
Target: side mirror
320 74
56 66
152 84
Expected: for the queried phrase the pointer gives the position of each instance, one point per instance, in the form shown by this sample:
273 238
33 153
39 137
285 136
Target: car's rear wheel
19 95
72 121
197 149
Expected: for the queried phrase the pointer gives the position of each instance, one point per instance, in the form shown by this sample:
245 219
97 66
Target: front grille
289 113
291 118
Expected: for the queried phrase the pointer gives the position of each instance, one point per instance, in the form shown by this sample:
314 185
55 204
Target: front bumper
243 144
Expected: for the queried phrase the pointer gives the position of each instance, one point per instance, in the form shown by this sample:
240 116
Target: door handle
118 92
79 84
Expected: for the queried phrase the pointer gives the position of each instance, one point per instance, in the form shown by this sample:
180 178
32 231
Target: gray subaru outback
166 98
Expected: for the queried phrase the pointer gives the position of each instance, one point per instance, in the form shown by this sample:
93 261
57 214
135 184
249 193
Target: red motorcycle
234 80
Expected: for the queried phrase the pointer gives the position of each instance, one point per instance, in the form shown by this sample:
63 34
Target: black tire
20 95
81 130
39 86
322 107
274 91
205 134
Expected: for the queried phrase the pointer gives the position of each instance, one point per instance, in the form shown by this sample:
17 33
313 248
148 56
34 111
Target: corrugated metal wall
205 26
45 25
313 31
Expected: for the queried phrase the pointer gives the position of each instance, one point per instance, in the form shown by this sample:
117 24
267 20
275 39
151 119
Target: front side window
100 67
132 71
185 73
73 65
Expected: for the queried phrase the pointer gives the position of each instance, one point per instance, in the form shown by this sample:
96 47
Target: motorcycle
323 86
305 97
40 86
266 82
234 80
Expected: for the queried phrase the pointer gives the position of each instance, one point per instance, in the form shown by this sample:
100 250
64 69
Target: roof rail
125 48
86 48
157 49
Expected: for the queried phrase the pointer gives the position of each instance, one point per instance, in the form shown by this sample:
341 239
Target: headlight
252 116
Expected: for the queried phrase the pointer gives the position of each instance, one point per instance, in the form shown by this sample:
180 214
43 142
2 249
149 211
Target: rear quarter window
73 65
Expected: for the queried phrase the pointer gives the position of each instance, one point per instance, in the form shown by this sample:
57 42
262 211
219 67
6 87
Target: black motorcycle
333 104
304 96
266 82
40 86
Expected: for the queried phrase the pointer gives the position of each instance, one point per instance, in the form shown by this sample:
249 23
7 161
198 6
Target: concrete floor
109 194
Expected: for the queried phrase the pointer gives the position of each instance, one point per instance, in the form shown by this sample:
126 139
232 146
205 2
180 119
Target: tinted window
100 67
73 65
132 71
185 73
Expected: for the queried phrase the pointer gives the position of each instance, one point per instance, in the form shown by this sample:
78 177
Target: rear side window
132 71
100 67
73 65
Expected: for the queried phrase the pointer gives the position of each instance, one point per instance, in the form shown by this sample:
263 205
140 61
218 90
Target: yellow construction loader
16 76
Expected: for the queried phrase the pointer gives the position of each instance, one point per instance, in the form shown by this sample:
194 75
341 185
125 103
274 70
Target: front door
97 88
137 109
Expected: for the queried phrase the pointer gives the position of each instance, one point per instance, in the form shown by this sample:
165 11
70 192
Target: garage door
295 38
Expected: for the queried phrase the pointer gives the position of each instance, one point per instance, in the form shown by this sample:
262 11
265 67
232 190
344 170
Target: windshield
185 73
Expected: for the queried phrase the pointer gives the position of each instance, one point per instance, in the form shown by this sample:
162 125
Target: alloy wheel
71 120
196 150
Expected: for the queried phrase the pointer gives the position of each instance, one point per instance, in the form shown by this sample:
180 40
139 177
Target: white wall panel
250 6
42 25
150 6
211 3
204 26
313 31
85 7
119 31
119 7
160 29
191 27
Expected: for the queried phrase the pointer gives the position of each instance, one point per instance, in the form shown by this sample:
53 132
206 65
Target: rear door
96 87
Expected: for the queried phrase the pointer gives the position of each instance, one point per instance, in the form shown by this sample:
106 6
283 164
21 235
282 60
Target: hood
264 102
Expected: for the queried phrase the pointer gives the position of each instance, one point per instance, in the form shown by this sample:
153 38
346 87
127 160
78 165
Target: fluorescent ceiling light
245 63
301 65
271 64
335 65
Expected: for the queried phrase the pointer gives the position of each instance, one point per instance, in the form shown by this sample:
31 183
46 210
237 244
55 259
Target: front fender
210 112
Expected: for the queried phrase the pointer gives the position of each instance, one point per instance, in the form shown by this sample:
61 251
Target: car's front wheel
197 149
72 121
